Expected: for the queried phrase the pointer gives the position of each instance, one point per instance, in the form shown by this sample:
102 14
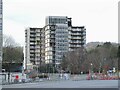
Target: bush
40 76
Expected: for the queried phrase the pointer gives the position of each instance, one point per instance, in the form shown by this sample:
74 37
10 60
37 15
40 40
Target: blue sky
100 17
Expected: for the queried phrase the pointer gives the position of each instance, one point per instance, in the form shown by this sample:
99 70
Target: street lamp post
104 69
100 67
91 70
102 63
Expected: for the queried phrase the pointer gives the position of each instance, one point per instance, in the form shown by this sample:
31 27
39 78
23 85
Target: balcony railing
75 37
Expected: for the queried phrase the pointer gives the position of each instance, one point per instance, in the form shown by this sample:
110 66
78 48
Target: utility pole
118 54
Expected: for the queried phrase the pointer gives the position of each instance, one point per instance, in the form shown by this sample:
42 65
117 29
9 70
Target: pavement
67 84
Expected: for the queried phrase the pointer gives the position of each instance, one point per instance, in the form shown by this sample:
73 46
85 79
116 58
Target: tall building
34 47
1 34
77 37
61 37
58 37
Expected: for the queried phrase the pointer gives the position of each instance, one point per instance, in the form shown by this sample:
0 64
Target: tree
73 60
12 53
92 57
64 63
103 57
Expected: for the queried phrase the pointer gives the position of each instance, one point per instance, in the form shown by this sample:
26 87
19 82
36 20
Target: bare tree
8 41
73 60
11 53
103 57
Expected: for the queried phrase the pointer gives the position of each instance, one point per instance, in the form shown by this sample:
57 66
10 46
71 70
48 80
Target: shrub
39 75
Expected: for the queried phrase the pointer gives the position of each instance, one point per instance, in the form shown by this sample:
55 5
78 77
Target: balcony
37 51
37 47
37 55
32 51
52 32
32 47
32 55
52 37
32 39
52 41
76 34
32 43
32 36
75 42
76 38
32 59
75 45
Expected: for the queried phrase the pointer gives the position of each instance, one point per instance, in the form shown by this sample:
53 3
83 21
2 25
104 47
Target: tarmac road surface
68 84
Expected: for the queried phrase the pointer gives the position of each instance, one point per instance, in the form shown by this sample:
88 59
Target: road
68 84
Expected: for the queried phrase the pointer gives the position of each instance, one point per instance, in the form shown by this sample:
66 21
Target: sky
100 17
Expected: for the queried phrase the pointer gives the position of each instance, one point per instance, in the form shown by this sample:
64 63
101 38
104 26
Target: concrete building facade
1 28
56 38
34 47
50 43
61 37
77 37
